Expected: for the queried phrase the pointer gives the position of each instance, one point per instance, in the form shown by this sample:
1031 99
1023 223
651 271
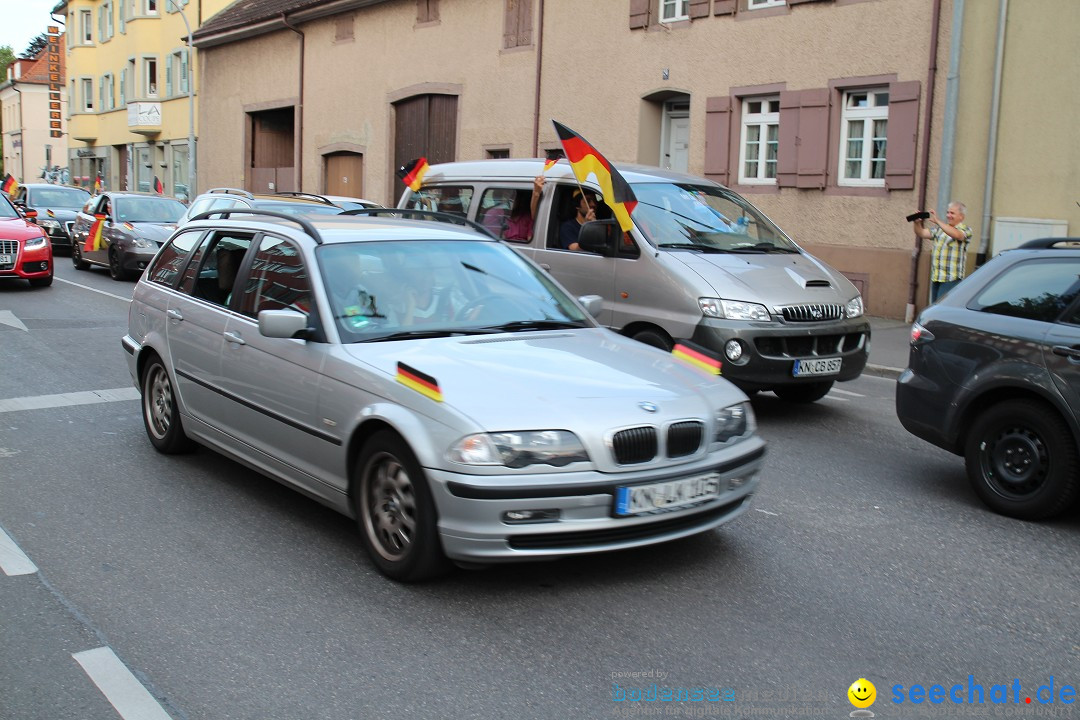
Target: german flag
158 187
9 185
549 164
585 159
97 183
698 357
93 238
412 173
418 381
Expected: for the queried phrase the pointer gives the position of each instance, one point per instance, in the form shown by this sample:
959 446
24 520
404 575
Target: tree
7 56
36 46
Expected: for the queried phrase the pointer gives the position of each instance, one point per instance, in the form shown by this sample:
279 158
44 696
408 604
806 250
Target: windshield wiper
422 334
699 248
518 325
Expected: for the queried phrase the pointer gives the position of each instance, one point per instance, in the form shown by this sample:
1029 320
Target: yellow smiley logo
862 693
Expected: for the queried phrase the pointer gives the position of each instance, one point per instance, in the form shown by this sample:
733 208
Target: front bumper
769 350
136 259
34 263
471 509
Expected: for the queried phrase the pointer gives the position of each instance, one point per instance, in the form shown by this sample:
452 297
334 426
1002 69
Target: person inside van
570 228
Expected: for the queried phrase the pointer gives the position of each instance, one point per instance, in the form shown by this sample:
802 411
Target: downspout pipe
22 132
924 159
952 90
539 73
300 109
991 143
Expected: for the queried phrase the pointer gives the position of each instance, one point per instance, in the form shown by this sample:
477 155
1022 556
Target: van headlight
519 449
734 421
854 308
733 309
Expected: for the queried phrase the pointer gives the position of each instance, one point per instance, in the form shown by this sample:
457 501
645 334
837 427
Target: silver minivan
701 265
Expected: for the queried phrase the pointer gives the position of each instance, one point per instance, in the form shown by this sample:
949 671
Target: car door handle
233 337
1065 351
175 314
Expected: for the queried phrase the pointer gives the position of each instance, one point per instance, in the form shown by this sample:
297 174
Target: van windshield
678 216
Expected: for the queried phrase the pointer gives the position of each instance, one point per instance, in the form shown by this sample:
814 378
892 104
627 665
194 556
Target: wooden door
344 174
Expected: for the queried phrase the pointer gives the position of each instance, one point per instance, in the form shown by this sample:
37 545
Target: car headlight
144 243
733 309
519 449
854 308
734 421
34 243
49 224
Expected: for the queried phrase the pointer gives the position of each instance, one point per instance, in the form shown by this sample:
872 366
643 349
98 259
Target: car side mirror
600 237
290 324
30 215
593 304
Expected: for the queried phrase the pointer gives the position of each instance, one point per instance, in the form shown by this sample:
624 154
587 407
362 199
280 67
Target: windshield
148 209
704 218
423 288
7 210
58 198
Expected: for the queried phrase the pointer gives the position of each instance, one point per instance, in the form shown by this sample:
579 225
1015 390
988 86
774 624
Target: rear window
1035 289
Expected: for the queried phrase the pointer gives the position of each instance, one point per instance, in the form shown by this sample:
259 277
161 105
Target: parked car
56 207
994 375
292 203
25 249
351 203
428 381
701 264
134 225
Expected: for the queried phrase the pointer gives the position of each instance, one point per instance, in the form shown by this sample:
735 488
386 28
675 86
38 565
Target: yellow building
132 92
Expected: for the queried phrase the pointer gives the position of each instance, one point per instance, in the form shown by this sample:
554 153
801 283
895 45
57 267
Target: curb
882 371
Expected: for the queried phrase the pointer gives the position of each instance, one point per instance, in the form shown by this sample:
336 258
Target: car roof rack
224 213
411 214
1046 243
232 191
296 193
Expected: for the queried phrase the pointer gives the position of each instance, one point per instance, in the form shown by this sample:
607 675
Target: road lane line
131 700
87 287
766 512
88 397
13 561
846 392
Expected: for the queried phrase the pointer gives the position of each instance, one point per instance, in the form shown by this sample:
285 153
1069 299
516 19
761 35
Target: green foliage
36 46
7 56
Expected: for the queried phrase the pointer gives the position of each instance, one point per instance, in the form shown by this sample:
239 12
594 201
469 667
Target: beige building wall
1037 169
598 77
27 145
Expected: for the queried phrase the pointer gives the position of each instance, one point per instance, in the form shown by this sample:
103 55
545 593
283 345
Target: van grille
634 445
812 313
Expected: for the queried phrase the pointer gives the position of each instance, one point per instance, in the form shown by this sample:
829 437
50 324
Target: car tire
1022 460
116 269
161 415
77 258
654 338
805 393
395 511
41 282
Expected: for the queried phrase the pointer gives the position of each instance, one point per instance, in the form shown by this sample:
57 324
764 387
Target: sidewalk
888 347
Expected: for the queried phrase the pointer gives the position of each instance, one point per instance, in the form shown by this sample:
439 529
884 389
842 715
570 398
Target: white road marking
830 396
87 287
13 561
88 397
846 392
766 512
131 700
8 318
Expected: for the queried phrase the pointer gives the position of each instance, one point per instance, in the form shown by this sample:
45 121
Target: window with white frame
864 124
760 140
150 7
88 94
757 4
150 77
86 27
672 10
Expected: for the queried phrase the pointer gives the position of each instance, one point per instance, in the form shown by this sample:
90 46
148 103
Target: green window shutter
168 76
184 77
120 15
123 87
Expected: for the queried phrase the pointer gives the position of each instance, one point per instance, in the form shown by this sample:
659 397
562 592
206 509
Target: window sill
756 188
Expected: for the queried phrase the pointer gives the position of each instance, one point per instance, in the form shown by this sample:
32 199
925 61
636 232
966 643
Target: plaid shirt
948 256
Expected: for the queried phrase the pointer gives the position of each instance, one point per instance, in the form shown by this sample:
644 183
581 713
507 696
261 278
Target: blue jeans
938 290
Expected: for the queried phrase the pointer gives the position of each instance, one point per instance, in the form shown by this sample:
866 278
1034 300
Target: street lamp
191 101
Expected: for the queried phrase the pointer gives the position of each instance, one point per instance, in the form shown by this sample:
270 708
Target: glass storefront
180 160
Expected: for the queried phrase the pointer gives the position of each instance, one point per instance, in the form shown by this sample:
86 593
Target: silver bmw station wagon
433 384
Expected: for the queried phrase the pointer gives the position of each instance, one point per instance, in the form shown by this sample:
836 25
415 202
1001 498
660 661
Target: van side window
453 199
506 213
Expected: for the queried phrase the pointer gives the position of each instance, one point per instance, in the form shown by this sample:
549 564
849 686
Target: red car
25 250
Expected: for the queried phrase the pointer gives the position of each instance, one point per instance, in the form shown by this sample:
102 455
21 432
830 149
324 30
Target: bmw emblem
648 407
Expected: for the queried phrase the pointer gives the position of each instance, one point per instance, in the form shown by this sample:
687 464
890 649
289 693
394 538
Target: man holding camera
948 256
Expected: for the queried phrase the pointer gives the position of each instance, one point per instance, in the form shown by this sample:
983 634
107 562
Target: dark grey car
133 227
56 207
994 375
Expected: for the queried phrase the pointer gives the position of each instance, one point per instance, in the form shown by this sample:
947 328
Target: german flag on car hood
699 357
424 384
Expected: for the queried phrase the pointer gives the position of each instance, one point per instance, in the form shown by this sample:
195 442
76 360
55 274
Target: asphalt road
205 591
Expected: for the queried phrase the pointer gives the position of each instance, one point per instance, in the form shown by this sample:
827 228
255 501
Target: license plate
822 366
6 260
640 499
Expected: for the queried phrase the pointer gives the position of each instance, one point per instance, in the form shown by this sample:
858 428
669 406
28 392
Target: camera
923 215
